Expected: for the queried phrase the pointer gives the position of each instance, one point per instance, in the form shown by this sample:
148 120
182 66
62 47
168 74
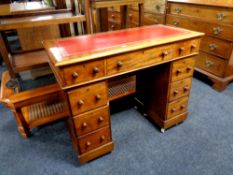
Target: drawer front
215 14
112 26
182 69
211 64
114 16
211 29
88 97
79 73
94 140
150 19
180 89
216 47
177 107
147 57
91 121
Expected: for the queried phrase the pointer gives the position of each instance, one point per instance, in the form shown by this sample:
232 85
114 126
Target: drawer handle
100 119
175 92
80 102
130 15
98 97
102 138
217 30
189 68
186 88
193 46
181 49
96 70
173 110
213 47
113 26
220 16
75 75
182 107
164 53
119 64
209 63
88 144
176 23
178 71
178 10
84 125
113 16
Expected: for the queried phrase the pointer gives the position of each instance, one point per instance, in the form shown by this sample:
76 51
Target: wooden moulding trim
126 72
53 21
215 3
129 48
104 4
83 158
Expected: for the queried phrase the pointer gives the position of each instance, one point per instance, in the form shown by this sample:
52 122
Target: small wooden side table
95 5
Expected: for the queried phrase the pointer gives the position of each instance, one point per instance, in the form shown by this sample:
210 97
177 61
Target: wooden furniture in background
34 107
120 4
84 73
215 19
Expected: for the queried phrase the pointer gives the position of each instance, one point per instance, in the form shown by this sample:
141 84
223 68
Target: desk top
77 49
22 8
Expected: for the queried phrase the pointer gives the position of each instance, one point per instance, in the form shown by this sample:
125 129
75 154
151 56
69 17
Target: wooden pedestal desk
161 57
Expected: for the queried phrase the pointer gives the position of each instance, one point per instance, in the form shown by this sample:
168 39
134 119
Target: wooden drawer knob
178 71
130 15
164 53
84 125
102 138
175 92
119 64
80 102
173 110
181 49
186 88
189 68
75 75
88 144
113 16
98 97
193 46
112 26
213 47
182 106
96 70
100 119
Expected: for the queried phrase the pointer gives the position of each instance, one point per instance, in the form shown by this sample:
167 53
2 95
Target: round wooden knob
173 110
84 125
178 71
182 106
186 88
165 53
88 144
100 119
193 46
119 64
102 138
113 15
75 75
80 102
130 15
175 92
181 49
98 97
96 70
189 68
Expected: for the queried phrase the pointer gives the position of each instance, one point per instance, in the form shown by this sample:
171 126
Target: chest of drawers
215 19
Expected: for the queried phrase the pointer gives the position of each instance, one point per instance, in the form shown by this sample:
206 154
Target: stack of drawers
90 111
215 19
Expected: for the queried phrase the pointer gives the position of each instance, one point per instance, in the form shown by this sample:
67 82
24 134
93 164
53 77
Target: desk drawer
138 59
88 97
211 64
182 69
211 29
91 121
150 19
216 47
94 140
79 73
177 107
215 14
114 16
113 26
180 88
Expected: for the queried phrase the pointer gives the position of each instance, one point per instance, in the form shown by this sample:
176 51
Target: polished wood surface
214 18
161 57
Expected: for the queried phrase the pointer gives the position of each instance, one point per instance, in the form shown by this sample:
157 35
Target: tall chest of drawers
215 19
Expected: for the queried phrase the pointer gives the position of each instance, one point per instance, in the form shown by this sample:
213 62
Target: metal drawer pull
217 30
176 23
75 75
213 47
209 63
178 10
220 16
